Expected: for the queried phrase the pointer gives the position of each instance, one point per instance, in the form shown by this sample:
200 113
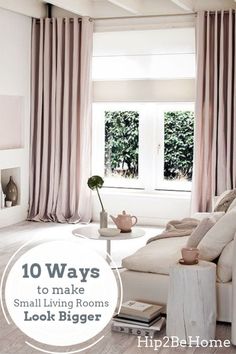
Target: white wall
15 44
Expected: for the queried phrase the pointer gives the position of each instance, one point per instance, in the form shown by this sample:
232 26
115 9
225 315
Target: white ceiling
114 8
126 8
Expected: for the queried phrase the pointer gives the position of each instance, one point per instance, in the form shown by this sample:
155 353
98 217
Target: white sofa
152 285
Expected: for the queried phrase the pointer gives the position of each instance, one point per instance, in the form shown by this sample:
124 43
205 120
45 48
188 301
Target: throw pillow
225 263
225 199
212 244
232 205
201 230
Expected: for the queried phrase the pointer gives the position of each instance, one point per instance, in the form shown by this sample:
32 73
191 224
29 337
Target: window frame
151 144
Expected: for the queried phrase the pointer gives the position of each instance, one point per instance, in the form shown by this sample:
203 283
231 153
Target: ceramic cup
189 255
8 203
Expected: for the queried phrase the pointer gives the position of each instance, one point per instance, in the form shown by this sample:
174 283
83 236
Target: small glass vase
103 219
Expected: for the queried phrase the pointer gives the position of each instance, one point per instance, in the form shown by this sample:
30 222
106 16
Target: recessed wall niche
5 176
11 122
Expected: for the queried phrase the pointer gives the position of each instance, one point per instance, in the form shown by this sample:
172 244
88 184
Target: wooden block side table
191 306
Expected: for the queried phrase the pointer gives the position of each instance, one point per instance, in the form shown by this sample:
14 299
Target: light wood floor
12 341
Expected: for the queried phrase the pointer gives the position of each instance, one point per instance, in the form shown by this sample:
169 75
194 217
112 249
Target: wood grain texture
191 308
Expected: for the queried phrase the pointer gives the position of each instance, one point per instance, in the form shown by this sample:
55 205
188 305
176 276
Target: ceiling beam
32 8
79 7
186 5
132 6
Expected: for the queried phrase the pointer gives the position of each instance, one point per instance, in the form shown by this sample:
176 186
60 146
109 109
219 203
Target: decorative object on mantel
12 192
124 221
94 183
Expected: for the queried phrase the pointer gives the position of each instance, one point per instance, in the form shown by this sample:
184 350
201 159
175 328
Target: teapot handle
135 221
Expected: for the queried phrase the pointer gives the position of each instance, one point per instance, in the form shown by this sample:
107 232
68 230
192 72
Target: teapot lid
123 213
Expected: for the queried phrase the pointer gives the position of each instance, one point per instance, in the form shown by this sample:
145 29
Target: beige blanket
177 228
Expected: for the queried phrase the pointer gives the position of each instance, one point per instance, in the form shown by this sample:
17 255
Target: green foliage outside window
121 143
178 144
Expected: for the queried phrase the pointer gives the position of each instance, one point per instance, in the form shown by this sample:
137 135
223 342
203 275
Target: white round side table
92 233
191 306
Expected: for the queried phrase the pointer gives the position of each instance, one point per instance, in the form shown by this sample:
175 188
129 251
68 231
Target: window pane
178 147
121 144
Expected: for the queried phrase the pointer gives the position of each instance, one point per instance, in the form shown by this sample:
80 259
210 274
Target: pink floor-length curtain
215 128
60 120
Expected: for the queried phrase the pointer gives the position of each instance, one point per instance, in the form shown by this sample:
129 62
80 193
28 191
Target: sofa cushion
157 256
225 263
224 200
200 231
214 214
218 237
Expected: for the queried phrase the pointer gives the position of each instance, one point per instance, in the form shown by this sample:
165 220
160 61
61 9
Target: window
145 143
117 153
121 144
178 145
175 149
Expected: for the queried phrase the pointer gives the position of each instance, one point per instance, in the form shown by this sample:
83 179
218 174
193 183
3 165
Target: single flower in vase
95 183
